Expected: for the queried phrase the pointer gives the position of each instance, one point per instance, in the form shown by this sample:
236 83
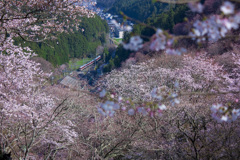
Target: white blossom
196 7
227 8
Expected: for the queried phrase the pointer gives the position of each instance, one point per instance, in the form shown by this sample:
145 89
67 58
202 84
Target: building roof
70 82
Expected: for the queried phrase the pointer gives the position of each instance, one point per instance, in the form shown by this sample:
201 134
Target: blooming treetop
194 74
23 103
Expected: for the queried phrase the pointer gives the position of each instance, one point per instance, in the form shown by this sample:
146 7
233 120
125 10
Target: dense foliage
78 44
138 9
165 20
105 3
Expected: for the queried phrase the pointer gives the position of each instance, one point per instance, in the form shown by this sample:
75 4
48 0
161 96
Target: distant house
119 33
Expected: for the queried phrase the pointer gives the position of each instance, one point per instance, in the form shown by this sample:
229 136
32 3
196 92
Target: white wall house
119 33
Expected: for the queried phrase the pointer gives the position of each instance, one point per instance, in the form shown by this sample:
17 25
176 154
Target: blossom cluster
216 26
159 42
196 7
224 113
110 107
134 44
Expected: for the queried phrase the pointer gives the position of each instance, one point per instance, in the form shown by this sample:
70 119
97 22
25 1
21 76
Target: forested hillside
166 20
77 44
138 9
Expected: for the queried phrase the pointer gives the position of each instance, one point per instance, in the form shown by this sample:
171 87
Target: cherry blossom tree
34 20
30 118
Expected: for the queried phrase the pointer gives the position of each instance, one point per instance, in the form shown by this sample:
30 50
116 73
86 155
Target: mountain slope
138 9
76 44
